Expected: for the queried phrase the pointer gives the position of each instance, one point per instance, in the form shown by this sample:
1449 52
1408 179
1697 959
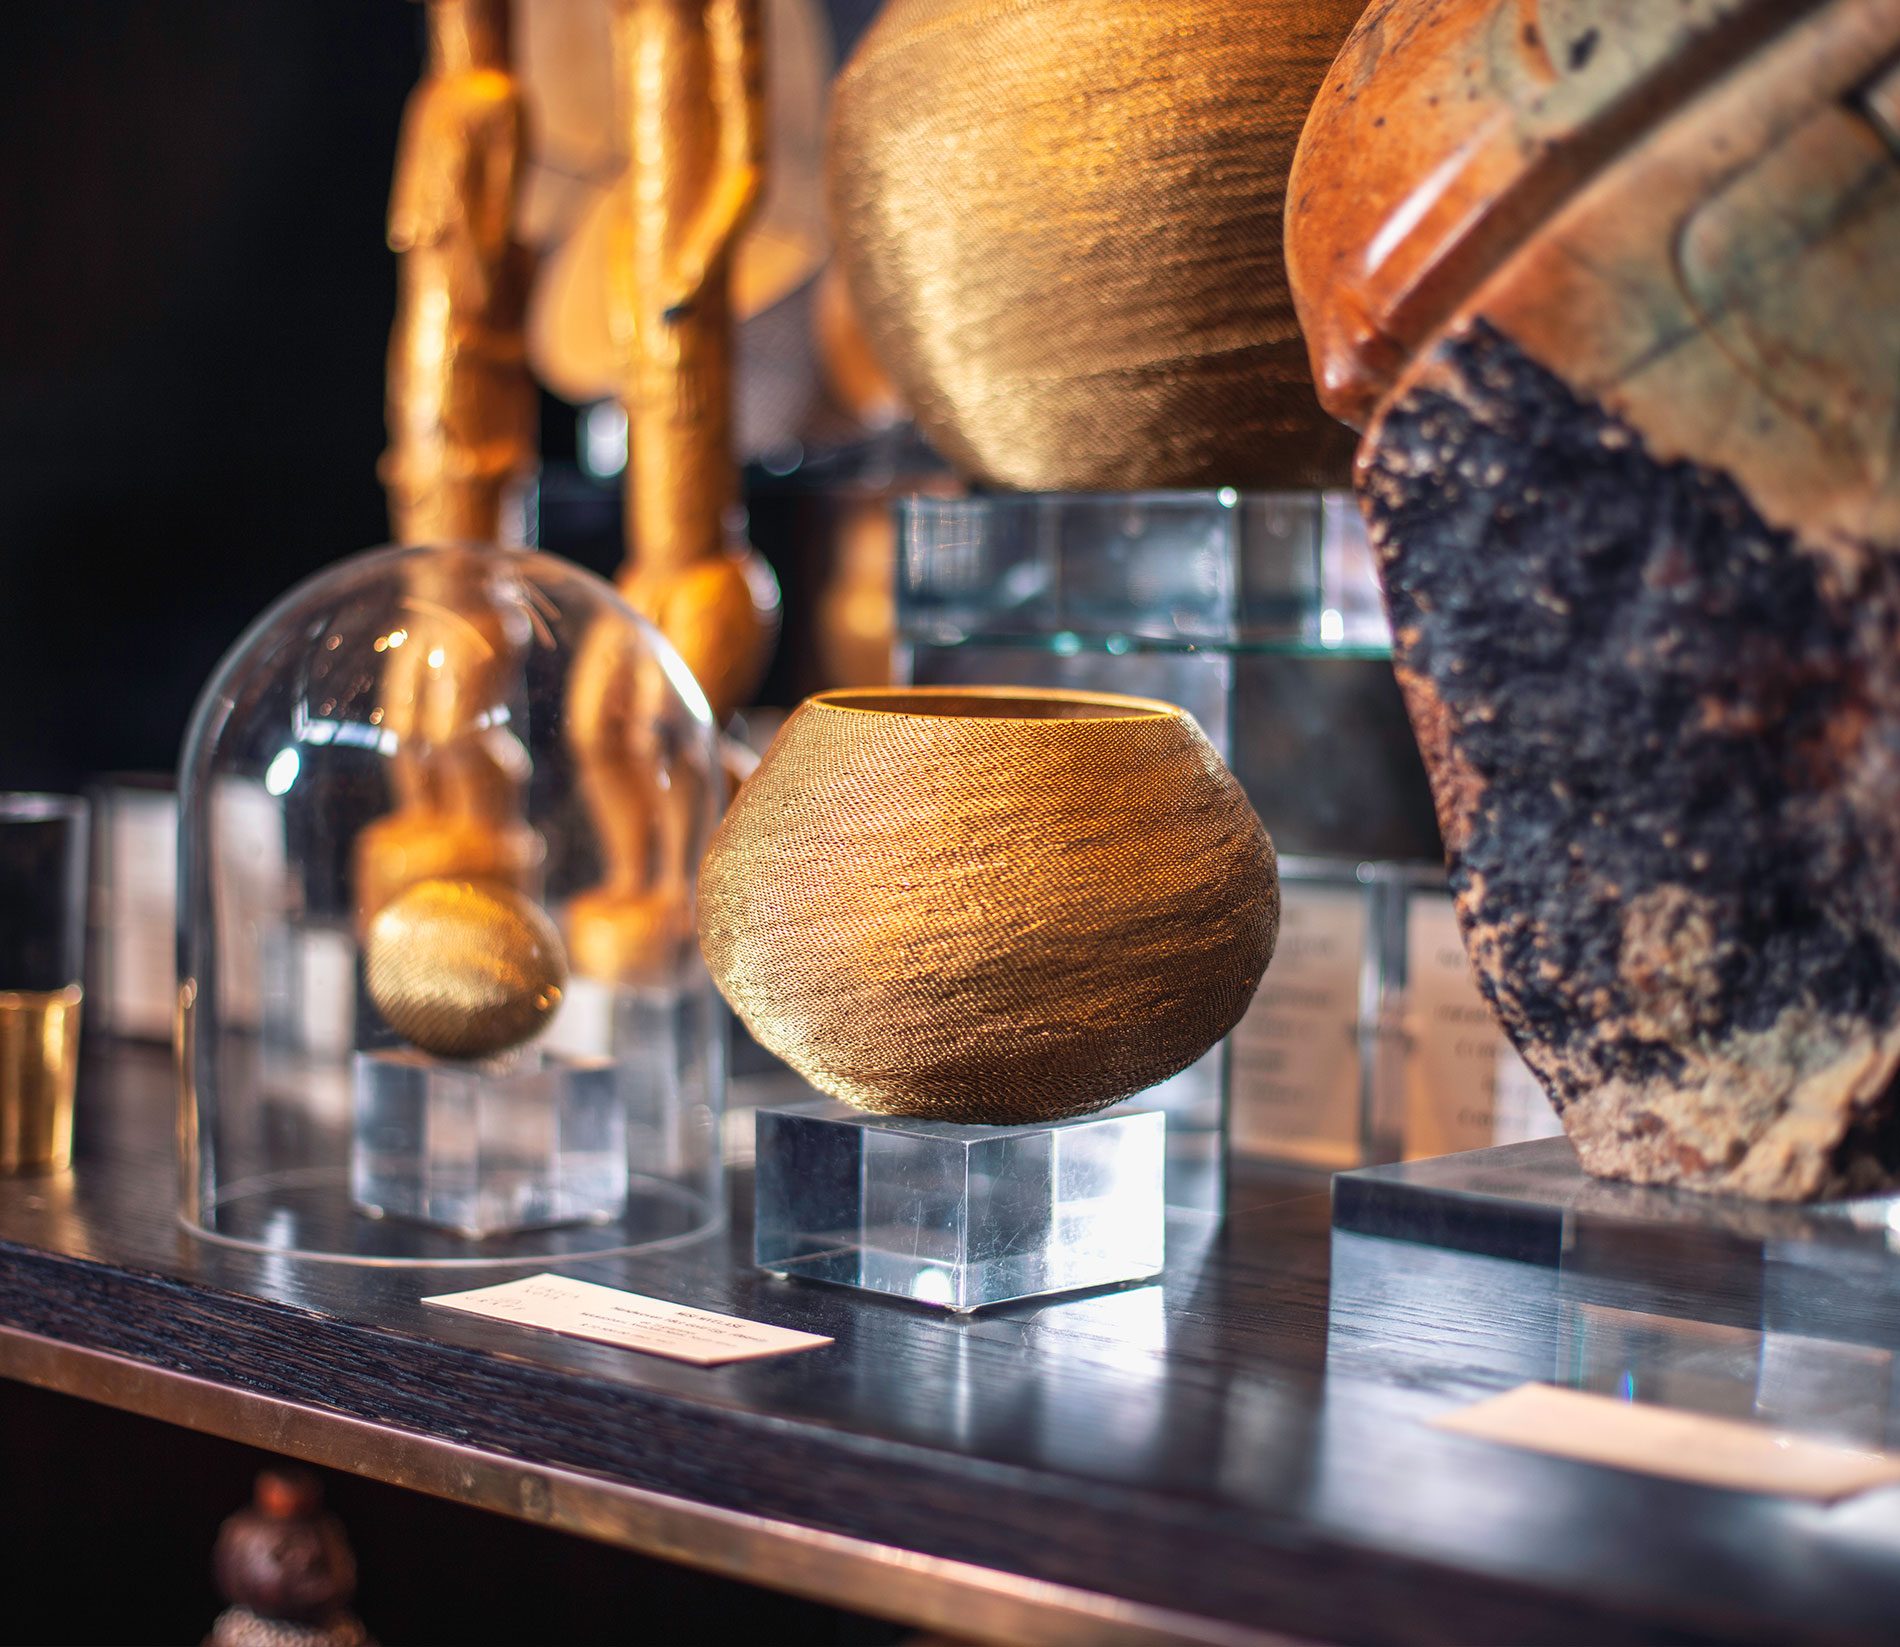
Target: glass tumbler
42 955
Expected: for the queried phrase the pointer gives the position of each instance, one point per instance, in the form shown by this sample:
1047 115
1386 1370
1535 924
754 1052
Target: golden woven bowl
991 905
1061 227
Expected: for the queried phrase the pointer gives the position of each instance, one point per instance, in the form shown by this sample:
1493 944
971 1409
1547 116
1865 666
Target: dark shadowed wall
194 303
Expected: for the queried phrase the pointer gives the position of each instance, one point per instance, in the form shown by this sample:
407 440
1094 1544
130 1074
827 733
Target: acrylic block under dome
959 1216
421 719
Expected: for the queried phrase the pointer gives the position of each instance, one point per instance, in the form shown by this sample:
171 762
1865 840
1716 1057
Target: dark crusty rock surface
1664 741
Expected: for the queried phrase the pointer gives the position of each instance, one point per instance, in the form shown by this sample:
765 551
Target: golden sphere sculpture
464 969
988 905
1061 228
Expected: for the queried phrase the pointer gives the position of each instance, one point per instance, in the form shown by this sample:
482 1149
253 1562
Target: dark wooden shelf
1228 1456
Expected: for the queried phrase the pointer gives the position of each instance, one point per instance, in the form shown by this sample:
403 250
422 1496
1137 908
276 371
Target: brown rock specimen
1612 290
988 905
1061 225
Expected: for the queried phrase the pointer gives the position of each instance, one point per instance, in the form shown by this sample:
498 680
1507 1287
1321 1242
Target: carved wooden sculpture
286 1569
575 201
688 74
691 91
1612 291
461 413
461 403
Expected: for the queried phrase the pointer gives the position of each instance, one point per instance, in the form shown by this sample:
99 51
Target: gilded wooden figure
461 403
461 415
688 75
691 94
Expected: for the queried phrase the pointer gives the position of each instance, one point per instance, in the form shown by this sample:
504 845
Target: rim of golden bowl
937 703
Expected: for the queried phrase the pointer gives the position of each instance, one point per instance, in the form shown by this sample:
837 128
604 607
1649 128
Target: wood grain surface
1231 1445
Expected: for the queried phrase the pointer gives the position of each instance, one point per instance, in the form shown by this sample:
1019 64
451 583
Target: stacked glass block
1260 613
962 1217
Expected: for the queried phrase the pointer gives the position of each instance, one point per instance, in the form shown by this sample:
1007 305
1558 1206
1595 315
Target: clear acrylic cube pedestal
532 1141
1258 613
959 1216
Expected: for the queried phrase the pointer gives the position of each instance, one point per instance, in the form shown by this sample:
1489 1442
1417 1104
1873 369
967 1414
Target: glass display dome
440 998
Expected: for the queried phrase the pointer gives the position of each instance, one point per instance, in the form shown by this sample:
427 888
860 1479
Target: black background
108 1522
195 299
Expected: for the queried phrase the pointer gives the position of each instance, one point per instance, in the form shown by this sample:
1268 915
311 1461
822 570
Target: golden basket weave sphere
1061 227
464 969
990 905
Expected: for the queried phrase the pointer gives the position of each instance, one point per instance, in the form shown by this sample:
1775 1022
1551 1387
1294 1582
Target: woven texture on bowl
988 907
1061 226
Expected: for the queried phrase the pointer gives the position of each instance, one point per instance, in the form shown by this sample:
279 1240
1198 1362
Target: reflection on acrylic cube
959 1216
524 1142
668 1046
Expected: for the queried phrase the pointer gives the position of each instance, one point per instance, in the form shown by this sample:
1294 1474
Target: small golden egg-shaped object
464 969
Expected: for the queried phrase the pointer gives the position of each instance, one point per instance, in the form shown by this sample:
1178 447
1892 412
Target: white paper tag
142 915
1465 1086
1294 1088
1717 1452
583 1309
